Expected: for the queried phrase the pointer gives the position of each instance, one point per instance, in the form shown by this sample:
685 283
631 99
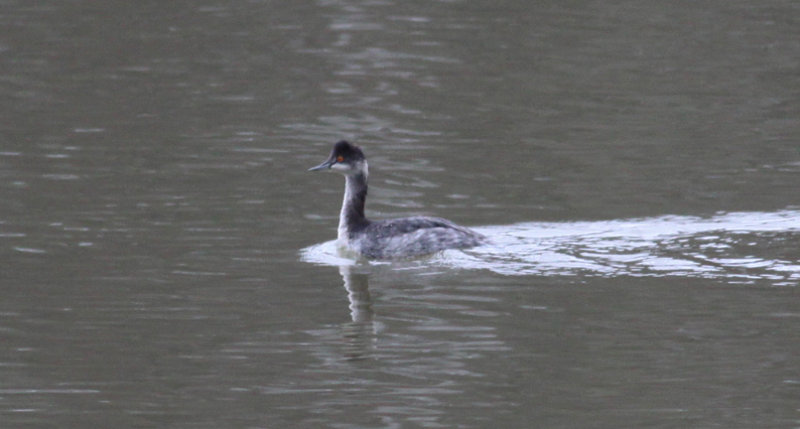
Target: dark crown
347 151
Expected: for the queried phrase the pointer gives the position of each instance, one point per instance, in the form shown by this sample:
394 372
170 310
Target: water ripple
740 246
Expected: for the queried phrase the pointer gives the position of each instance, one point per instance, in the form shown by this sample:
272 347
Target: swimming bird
392 238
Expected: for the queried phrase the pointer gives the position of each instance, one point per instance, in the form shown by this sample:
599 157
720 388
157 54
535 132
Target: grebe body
392 238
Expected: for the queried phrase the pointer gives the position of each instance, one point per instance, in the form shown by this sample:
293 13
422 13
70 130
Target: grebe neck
352 216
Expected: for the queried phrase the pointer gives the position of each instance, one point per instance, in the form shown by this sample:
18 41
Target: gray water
166 258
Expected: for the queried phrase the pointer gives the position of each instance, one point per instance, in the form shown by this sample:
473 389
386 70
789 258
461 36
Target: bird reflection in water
360 333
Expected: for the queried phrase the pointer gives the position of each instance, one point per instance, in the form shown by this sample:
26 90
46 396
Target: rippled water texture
738 247
636 165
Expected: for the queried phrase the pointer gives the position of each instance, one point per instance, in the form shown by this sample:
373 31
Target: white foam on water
735 245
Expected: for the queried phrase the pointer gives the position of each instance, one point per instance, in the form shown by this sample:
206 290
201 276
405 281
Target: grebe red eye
339 158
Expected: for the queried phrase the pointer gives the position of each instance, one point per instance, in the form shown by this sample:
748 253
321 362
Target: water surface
164 256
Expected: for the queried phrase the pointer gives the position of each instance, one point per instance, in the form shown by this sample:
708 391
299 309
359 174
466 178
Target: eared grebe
386 239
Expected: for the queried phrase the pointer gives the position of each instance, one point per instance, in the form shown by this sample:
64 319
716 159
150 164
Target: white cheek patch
340 167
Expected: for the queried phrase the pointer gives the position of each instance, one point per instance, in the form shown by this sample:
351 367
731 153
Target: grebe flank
391 238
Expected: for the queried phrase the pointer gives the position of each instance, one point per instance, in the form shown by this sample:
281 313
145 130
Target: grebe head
345 158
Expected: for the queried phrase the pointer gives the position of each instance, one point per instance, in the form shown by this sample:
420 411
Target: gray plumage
392 238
